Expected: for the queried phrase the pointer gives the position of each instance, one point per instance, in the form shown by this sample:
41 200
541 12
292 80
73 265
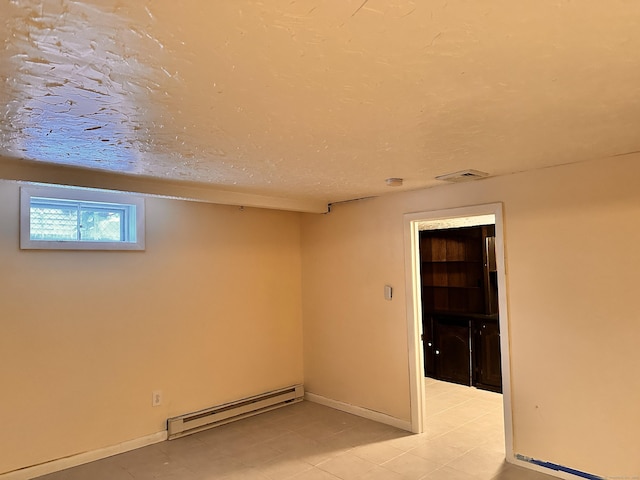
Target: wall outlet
156 398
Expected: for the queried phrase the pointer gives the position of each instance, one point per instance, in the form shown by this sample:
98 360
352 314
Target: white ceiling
318 100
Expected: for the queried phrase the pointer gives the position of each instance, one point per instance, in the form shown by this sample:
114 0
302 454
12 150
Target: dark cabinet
460 306
488 371
452 356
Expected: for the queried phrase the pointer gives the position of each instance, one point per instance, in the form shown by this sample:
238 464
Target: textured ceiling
318 100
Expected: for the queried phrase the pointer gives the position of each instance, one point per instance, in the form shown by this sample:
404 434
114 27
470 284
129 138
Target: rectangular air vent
462 176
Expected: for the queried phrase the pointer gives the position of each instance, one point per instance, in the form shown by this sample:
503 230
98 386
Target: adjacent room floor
307 441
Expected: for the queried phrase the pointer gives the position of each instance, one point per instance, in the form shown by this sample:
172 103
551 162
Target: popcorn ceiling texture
319 100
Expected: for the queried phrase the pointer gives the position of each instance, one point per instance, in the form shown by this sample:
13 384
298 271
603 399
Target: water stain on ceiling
317 100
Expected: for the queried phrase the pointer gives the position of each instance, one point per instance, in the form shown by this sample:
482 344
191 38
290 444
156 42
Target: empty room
303 240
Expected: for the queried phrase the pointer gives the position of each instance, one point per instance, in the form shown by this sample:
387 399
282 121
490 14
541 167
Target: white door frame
412 223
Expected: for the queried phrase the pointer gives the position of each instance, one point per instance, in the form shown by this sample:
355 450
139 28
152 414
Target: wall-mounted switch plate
388 292
156 398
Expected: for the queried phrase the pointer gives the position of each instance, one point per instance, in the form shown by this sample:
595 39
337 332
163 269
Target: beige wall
209 313
572 236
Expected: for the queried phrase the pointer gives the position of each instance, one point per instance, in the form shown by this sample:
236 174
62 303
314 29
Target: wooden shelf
429 262
450 286
459 301
453 273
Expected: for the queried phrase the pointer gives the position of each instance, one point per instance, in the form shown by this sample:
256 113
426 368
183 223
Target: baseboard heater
212 417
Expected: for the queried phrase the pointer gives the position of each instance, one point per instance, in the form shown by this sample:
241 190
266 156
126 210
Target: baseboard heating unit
212 417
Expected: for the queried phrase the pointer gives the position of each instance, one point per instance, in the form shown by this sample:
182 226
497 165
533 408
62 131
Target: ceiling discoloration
318 100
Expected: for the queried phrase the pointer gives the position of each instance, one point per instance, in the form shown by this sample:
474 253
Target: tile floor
307 441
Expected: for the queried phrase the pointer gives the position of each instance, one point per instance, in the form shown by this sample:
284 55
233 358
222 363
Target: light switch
388 292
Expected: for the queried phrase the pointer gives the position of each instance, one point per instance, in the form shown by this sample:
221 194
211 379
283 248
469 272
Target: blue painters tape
558 468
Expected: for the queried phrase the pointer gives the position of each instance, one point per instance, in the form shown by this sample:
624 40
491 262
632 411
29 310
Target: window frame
88 196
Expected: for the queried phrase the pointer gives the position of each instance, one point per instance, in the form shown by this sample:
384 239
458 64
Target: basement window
63 218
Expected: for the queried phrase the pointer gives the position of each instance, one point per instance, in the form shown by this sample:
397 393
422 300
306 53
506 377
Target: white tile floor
307 441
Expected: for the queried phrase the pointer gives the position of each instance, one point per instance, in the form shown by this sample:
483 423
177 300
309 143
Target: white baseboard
359 411
82 458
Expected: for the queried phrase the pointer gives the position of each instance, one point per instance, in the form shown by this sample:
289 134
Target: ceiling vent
462 176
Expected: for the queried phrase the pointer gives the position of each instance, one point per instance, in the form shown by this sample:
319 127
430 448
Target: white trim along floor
308 441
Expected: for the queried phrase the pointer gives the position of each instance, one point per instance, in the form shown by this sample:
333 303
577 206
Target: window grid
60 220
80 219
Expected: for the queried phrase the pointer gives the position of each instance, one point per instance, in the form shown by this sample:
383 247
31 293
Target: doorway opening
465 298
460 330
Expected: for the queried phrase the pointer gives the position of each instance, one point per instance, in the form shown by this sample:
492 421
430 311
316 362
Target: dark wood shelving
459 300
450 286
429 262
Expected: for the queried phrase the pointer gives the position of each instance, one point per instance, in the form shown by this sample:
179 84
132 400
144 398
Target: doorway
490 214
460 328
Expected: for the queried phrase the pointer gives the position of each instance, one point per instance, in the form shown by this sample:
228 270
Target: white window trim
80 194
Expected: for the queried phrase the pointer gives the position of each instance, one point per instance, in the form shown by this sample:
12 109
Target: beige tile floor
307 441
